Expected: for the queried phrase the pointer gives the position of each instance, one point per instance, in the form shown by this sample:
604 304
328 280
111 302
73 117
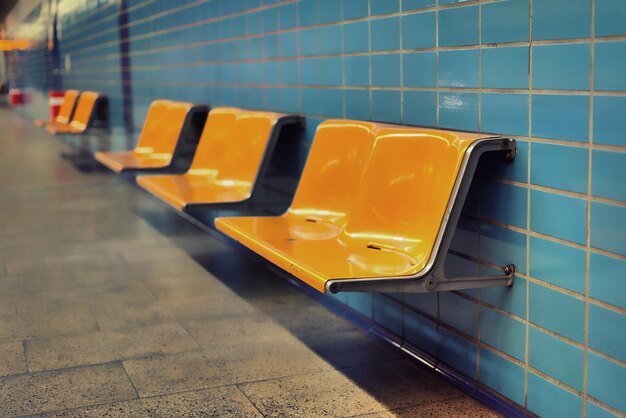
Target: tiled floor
110 305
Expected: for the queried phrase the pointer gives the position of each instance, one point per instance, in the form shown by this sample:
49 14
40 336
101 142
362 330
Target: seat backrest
333 170
406 188
67 107
233 144
152 125
84 109
162 127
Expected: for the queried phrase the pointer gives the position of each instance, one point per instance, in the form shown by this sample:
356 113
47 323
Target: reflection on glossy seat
232 152
83 115
159 141
375 208
65 112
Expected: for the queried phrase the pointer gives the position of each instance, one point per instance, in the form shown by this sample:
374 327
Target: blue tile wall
447 64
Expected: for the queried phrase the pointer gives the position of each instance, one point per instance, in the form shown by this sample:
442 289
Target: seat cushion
124 160
316 252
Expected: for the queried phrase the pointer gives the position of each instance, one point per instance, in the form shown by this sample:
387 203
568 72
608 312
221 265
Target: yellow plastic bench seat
232 153
160 140
375 209
66 111
82 117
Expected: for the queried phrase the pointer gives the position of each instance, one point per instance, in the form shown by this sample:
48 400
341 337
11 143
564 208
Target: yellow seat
158 141
65 112
372 204
82 118
228 158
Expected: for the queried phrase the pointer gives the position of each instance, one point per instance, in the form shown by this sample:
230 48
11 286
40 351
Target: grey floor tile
328 393
459 408
67 321
71 388
7 304
68 262
227 402
107 346
12 359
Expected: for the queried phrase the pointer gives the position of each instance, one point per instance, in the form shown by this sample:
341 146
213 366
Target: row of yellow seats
376 204
75 115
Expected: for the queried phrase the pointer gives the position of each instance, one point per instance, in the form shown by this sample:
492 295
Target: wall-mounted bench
70 97
170 132
230 162
89 103
375 210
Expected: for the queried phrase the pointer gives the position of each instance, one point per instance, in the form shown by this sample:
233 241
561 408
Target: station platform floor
112 305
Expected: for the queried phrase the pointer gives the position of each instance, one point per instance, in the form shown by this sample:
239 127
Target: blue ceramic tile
458 26
596 411
502 376
550 60
559 19
355 37
558 264
417 4
458 111
505 21
309 71
331 103
558 216
418 30
357 71
385 34
504 113
355 9
505 67
548 308
331 71
502 246
607 331
458 312
608 227
330 40
388 313
287 16
446 2
458 68
425 302
289 72
386 106
492 164
421 332
465 238
511 299
609 123
361 302
560 117
610 61
606 381
307 12
459 267
503 332
609 167
386 70
458 353
358 104
329 11
310 101
607 279
548 400
504 203
309 42
559 166
379 7
419 69
556 358
610 17
270 19
420 108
